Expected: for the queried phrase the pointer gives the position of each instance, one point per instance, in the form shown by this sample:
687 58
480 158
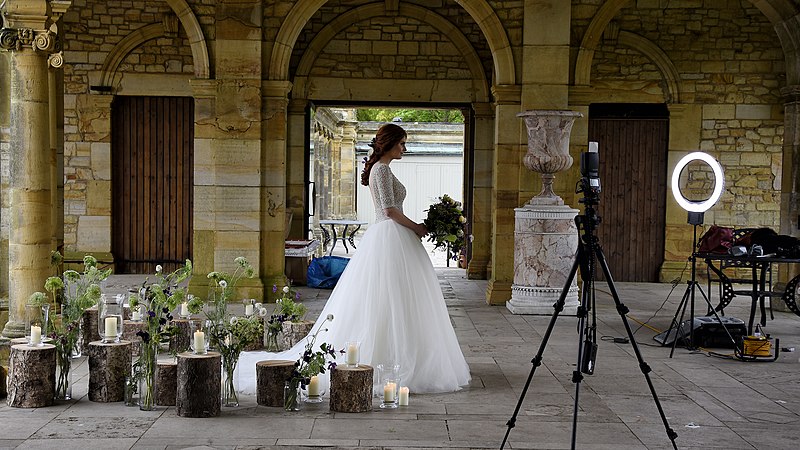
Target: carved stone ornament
28 38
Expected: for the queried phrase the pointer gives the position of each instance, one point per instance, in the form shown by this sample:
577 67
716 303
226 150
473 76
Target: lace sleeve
383 186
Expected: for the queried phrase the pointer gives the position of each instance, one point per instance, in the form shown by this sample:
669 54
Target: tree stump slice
166 382
129 330
351 388
199 385
271 376
89 331
109 365
180 342
293 332
3 376
31 376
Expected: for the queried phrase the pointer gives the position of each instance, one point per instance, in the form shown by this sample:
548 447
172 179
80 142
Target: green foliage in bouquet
445 224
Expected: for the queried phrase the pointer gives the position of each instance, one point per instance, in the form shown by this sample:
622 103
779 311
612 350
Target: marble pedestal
545 243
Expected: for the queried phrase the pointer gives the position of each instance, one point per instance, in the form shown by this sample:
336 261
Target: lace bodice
387 191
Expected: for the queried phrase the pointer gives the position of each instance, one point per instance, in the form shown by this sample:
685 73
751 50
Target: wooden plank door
633 175
152 182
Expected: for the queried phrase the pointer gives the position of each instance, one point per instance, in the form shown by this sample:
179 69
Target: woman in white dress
388 297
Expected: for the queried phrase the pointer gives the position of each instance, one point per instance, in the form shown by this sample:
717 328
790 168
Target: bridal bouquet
445 223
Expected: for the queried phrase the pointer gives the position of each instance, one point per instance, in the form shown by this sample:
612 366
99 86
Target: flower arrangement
230 334
311 363
158 298
445 224
73 293
286 310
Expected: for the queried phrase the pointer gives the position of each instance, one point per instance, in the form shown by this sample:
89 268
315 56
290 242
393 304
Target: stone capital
18 39
791 94
507 94
276 88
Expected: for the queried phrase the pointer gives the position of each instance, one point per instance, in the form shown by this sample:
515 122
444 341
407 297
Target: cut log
129 330
109 365
293 332
199 384
270 379
89 331
31 376
166 382
351 388
180 342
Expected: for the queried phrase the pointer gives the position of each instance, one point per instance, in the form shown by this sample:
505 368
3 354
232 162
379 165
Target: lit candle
313 387
403 397
248 310
36 334
388 392
136 315
184 309
199 342
111 328
352 354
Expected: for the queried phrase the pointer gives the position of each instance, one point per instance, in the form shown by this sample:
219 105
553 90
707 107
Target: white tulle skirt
389 299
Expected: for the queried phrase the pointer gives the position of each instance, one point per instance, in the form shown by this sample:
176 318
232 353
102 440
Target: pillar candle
184 309
111 328
352 354
248 310
36 334
388 392
199 342
403 397
136 315
313 386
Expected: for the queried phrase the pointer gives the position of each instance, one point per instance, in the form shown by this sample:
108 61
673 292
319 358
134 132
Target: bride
388 297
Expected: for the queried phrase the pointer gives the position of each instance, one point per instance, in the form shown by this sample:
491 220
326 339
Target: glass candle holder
314 392
183 310
353 353
109 318
385 372
36 323
200 337
249 306
390 391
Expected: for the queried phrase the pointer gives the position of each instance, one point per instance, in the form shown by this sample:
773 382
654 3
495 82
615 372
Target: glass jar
36 323
353 353
109 318
200 336
390 393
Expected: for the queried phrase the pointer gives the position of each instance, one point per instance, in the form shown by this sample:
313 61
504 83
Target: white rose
234 320
159 268
286 289
223 283
262 312
462 219
257 306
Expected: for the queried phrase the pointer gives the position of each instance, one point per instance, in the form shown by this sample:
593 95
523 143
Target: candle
313 387
352 354
403 397
184 309
111 328
136 315
199 342
36 335
248 310
388 392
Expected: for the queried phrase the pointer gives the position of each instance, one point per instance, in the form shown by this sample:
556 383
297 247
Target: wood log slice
351 388
199 384
31 376
180 342
129 330
109 365
293 332
271 376
166 382
89 331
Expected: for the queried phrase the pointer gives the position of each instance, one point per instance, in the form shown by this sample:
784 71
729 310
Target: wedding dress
389 299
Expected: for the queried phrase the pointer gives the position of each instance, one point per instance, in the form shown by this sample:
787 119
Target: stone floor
711 402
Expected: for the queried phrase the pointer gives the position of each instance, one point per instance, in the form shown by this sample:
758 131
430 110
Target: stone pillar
30 42
297 194
790 180
481 215
350 176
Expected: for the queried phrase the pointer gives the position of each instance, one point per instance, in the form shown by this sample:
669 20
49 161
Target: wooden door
152 182
633 175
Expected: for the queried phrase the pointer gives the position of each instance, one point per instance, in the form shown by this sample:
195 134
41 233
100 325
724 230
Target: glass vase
292 395
131 392
272 341
147 376
229 397
63 374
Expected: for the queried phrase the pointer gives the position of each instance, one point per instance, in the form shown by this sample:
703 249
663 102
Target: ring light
690 205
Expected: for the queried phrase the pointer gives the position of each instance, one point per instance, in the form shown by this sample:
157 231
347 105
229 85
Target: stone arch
783 14
376 9
483 14
136 38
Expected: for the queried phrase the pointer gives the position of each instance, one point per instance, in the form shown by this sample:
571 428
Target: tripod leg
677 325
645 368
537 360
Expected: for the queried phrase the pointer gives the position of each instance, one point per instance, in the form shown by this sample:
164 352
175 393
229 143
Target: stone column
348 169
790 180
30 43
480 223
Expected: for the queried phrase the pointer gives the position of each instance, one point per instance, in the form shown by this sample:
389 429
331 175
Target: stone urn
548 148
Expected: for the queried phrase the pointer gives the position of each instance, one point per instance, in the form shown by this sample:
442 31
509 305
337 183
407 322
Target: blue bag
324 272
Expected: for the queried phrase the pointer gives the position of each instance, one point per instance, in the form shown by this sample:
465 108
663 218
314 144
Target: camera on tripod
590 170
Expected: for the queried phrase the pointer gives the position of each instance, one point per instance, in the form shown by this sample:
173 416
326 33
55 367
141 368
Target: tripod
589 252
695 219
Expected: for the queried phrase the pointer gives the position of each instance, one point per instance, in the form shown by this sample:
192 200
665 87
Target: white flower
462 219
159 268
257 306
223 283
286 289
280 300
262 312
330 317
234 320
